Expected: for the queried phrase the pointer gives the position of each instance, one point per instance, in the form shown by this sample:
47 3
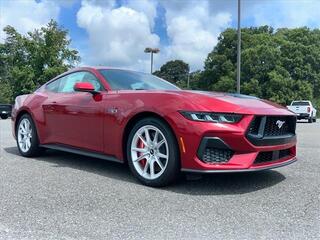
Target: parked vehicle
304 110
5 111
154 126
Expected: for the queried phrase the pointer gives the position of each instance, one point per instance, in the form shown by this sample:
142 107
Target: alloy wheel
149 152
24 135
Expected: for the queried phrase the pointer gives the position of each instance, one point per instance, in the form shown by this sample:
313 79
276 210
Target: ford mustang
156 128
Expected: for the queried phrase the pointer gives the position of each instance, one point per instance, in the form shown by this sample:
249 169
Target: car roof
100 68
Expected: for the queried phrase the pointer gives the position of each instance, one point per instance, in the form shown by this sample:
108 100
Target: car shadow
229 183
211 184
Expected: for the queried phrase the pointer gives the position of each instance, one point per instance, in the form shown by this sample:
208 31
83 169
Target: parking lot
66 196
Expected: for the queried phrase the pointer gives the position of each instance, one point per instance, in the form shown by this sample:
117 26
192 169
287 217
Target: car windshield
130 80
300 103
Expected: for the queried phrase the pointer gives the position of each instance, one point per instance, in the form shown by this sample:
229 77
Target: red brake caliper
141 145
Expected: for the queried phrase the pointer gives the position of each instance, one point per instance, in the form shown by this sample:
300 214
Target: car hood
237 103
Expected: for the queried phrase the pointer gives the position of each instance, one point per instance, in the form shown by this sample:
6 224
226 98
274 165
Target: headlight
212 117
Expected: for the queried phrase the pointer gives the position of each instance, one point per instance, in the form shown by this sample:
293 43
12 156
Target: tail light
308 109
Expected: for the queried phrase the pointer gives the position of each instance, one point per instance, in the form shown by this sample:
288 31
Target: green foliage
22 80
174 71
31 60
252 88
283 90
5 92
224 84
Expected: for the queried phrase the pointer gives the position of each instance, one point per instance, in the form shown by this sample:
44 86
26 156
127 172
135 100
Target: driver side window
67 82
89 77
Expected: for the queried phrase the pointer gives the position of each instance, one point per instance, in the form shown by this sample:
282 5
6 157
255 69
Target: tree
283 90
174 71
5 92
252 87
28 61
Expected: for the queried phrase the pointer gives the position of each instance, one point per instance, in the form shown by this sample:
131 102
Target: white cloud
193 30
117 36
148 7
26 15
289 14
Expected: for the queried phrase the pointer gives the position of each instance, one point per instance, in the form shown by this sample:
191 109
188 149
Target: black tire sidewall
34 150
173 166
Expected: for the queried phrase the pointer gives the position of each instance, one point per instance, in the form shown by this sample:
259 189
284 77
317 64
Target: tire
310 120
30 148
158 155
4 116
315 119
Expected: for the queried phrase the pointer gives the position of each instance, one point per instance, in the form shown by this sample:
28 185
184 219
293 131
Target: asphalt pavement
67 196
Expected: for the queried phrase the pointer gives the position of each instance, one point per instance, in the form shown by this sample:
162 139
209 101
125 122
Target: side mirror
84 87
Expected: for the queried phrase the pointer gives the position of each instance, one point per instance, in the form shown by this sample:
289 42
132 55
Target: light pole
188 81
238 50
151 51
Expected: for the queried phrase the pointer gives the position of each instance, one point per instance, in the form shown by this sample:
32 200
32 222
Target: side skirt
79 151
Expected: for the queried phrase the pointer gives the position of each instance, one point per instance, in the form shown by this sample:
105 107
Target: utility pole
239 50
151 51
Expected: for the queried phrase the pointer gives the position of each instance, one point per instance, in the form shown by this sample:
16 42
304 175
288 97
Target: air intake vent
265 157
215 155
214 150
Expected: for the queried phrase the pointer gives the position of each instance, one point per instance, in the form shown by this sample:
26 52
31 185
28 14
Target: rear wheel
152 153
27 137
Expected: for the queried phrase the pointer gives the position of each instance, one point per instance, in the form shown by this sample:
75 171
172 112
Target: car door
75 118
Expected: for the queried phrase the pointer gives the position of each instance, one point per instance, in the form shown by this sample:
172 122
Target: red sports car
157 128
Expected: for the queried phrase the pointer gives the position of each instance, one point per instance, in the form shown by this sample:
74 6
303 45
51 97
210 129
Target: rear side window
66 83
300 103
53 86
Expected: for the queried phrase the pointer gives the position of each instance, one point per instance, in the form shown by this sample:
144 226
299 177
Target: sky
116 32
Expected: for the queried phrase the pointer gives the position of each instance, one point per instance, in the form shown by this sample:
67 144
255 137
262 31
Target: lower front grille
216 155
264 157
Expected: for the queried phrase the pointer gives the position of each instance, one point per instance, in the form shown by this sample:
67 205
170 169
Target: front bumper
244 153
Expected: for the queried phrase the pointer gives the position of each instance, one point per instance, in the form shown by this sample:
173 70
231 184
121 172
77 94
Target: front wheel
152 153
27 137
310 120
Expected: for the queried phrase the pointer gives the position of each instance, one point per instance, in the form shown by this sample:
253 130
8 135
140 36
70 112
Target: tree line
280 65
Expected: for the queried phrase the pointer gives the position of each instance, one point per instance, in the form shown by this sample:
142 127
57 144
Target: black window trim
68 73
